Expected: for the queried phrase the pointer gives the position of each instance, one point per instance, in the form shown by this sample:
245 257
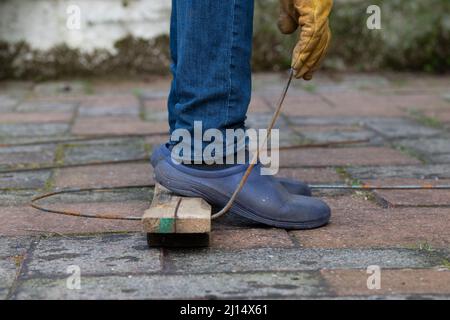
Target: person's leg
172 100
293 186
212 84
211 64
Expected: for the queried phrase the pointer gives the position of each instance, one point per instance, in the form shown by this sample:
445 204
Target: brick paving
56 135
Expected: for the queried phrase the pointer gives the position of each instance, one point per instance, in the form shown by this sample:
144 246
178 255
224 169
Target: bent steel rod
380 187
114 216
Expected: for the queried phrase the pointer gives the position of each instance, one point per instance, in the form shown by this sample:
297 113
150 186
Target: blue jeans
211 47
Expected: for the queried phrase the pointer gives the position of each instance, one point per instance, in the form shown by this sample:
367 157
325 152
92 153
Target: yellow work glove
315 34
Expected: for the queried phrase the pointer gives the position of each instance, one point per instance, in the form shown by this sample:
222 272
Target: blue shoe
262 199
291 185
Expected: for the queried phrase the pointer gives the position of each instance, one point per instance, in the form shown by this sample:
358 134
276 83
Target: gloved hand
315 34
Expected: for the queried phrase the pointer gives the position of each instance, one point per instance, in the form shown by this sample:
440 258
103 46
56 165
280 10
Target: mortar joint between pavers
21 271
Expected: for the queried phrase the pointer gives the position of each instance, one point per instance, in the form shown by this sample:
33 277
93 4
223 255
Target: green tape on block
166 225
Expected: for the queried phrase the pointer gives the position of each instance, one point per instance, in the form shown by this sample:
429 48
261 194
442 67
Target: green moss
349 180
410 152
425 120
446 264
309 87
133 56
59 154
425 246
48 186
366 195
89 87
415 36
148 148
18 260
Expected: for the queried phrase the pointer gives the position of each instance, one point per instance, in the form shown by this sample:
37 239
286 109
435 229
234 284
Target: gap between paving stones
22 267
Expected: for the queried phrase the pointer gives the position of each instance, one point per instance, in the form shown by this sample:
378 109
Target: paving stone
153 85
98 153
401 128
356 223
156 105
115 195
428 146
364 156
156 139
48 117
117 126
250 238
29 140
304 128
393 282
315 107
156 116
442 115
105 141
410 198
95 255
60 88
339 136
199 261
416 101
217 286
24 180
129 208
446 97
14 246
441 158
109 105
31 130
26 156
7 103
327 121
9 198
90 111
110 100
311 175
146 94
420 172
129 174
24 220
260 120
387 103
40 106
349 82
363 104
8 271
258 104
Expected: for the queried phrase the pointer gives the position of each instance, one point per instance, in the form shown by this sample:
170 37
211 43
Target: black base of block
178 240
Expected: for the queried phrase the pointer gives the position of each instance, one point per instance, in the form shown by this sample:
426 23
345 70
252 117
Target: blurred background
130 38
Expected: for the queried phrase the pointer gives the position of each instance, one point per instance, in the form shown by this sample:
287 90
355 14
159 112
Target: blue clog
291 185
263 199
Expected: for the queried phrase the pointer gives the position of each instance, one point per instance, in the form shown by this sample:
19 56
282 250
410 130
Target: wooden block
178 240
173 220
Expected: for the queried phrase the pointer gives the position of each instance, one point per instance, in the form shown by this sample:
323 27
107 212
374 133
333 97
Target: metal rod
113 216
381 187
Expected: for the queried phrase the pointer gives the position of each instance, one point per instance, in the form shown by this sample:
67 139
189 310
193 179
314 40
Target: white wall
43 23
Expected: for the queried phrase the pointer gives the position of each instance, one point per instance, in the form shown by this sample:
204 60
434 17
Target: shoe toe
308 212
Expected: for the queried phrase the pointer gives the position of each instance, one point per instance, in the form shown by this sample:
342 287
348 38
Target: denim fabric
211 45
